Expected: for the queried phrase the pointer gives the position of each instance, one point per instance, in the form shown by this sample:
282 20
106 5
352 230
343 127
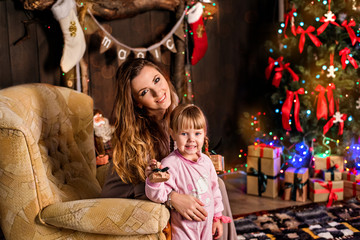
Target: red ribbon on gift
350 31
271 65
263 145
328 188
330 123
308 31
328 162
326 23
354 184
287 106
345 55
322 108
290 16
279 72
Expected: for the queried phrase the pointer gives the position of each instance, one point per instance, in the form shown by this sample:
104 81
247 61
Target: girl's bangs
192 121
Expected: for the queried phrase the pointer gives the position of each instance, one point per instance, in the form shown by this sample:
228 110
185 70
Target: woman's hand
188 206
217 229
151 165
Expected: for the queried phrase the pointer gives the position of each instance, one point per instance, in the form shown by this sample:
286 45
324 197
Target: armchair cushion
107 216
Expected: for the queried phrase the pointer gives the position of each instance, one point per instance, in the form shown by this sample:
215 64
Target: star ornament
338 117
329 17
331 71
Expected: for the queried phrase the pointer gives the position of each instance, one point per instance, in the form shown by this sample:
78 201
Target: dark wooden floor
242 204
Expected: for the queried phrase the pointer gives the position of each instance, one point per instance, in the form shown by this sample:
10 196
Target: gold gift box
268 166
218 161
319 193
326 176
351 189
349 176
303 174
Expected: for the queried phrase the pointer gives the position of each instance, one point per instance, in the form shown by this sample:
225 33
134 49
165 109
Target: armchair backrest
46 147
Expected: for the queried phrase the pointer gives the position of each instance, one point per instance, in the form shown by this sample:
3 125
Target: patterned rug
313 221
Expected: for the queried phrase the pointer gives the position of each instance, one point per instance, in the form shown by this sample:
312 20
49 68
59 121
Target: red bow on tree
272 62
286 109
290 16
322 108
350 30
330 18
279 72
352 171
345 55
309 31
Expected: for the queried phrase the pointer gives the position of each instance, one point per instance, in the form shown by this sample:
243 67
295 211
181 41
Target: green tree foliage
312 67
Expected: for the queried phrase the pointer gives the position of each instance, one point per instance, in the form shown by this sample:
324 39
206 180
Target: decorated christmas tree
314 99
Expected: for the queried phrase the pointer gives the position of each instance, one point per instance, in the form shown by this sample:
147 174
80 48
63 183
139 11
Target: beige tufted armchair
48 184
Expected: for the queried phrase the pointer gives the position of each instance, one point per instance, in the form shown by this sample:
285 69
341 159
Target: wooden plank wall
228 81
37 58
28 59
143 30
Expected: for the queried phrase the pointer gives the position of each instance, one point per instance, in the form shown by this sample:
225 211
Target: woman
144 100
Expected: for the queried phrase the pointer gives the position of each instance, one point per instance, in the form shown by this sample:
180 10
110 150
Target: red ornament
350 30
345 55
286 109
308 31
290 16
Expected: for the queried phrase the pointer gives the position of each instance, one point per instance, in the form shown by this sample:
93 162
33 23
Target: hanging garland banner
123 51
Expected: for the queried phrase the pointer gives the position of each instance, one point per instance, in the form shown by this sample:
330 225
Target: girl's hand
217 228
188 206
151 165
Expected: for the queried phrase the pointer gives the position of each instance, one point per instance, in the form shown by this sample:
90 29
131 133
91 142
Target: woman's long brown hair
138 136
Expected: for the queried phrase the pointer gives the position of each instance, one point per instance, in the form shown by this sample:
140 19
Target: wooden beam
110 9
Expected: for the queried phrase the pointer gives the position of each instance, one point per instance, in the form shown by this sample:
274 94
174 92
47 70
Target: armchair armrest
115 216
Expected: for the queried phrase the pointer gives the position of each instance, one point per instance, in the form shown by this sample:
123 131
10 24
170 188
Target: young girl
191 172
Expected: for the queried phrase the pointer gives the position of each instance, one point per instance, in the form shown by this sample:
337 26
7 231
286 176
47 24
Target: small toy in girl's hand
158 174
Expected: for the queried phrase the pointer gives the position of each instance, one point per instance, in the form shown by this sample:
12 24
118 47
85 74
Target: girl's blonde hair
137 135
189 116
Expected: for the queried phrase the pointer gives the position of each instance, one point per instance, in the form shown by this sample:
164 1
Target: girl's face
189 142
151 91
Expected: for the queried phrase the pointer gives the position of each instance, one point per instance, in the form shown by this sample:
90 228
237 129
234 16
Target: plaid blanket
313 221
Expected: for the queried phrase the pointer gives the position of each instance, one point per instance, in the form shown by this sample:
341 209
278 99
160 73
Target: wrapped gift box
271 190
264 151
322 191
296 184
324 163
328 162
261 161
335 175
352 176
351 189
218 162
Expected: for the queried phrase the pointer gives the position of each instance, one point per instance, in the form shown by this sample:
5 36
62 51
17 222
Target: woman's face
151 91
